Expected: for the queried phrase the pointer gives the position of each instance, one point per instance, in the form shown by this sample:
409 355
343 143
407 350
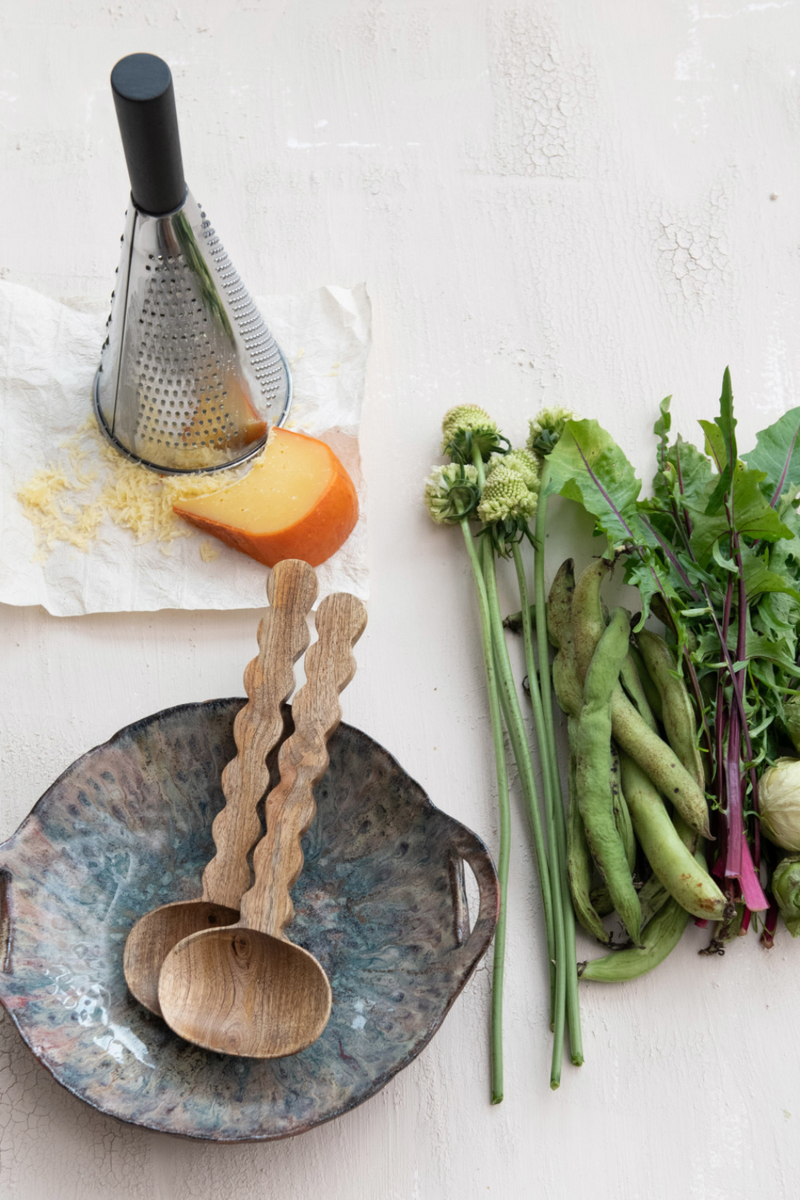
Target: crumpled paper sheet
48 357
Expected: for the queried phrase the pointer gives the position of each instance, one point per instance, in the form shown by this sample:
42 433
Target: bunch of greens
505 490
715 554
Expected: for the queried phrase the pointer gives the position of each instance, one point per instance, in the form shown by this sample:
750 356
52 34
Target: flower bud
525 464
451 493
467 426
546 428
505 497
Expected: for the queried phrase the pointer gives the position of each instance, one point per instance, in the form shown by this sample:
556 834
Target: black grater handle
145 102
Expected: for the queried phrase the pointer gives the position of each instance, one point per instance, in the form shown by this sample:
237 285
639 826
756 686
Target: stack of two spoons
220 969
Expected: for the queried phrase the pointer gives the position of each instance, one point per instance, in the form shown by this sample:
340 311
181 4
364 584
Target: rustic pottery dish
381 904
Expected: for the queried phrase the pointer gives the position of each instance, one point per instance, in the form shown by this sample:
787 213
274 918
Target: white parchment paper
48 357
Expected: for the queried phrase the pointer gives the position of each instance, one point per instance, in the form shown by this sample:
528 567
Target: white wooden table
551 203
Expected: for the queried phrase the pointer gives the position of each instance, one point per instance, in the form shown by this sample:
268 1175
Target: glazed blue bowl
381 904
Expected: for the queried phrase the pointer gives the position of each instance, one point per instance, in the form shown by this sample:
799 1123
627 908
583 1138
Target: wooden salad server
246 989
283 636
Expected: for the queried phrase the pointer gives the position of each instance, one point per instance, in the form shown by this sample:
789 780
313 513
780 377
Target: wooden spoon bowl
241 991
154 935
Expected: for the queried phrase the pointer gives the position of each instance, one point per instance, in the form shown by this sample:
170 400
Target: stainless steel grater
190 377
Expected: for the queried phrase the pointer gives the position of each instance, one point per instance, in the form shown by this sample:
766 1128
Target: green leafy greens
715 554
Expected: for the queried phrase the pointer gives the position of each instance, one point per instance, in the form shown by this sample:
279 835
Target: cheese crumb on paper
69 500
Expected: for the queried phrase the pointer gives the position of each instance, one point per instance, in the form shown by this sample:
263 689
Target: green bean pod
652 897
658 761
579 860
633 687
631 731
690 837
601 901
680 725
588 621
622 817
559 605
648 687
684 876
593 771
567 685
658 940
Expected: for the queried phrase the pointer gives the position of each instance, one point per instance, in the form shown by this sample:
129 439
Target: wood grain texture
269 679
246 989
302 761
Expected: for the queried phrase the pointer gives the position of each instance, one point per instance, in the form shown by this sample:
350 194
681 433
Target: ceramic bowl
381 904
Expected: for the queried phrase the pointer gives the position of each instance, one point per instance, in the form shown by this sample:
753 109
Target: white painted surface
550 203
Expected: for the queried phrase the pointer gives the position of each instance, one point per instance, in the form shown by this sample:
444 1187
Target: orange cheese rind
297 501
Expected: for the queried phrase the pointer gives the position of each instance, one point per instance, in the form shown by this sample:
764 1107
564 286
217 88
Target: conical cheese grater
190 377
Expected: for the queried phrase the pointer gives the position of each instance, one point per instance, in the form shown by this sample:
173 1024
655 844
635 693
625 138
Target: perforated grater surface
190 376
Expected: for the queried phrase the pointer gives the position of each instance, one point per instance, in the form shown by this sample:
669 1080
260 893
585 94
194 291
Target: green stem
498 969
515 724
540 597
517 736
551 800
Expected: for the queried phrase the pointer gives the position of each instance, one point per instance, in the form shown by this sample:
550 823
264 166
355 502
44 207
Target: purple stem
752 892
672 558
603 492
733 809
722 832
770 925
777 493
727 656
741 654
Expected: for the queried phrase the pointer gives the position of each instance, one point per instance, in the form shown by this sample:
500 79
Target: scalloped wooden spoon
246 989
283 636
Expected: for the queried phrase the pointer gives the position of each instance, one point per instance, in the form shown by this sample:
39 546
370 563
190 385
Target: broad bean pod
579 860
633 686
659 761
588 619
653 895
601 901
684 876
559 605
593 770
622 816
658 940
631 731
567 685
648 687
680 725
569 693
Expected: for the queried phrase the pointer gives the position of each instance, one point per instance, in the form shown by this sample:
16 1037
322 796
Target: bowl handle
472 850
6 931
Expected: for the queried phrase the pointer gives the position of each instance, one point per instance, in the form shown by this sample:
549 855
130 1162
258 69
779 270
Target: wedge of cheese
296 502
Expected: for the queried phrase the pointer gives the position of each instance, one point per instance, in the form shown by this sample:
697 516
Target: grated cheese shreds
69 501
